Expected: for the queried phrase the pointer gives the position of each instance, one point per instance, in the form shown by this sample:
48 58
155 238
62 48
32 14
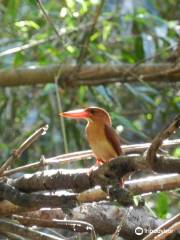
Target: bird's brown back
113 138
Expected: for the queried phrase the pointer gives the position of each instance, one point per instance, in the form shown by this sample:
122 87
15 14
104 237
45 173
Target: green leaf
82 93
94 36
176 152
50 87
18 59
106 32
139 48
71 48
101 47
161 205
26 23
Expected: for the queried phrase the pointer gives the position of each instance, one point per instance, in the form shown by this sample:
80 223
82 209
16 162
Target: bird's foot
98 163
92 169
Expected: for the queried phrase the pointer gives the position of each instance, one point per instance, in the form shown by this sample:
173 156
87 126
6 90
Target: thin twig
119 227
62 32
13 236
88 34
34 42
164 226
164 234
7 226
160 137
25 145
57 77
48 19
60 109
74 225
31 44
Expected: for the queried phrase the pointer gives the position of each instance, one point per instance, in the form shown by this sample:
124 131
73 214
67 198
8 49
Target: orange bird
102 138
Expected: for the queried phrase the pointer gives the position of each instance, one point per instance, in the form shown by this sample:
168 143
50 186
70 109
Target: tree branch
90 75
158 140
162 227
172 229
99 215
36 201
19 151
79 180
87 34
76 156
137 186
73 225
6 226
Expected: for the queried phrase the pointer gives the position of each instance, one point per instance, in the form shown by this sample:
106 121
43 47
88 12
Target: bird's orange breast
101 146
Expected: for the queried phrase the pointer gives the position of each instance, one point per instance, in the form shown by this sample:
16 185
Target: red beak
80 113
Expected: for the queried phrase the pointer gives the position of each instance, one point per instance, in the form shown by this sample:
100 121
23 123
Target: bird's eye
92 111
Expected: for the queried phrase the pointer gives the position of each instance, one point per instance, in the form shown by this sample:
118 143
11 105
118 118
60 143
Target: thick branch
99 215
154 183
76 156
35 201
91 75
7 209
79 179
96 215
137 186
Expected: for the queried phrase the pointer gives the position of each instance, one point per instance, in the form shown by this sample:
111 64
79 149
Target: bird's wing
113 138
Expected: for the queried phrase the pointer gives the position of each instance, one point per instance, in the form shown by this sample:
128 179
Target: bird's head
95 114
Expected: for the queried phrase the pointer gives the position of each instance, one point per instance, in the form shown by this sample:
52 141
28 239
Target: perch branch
18 152
117 168
144 185
35 201
139 186
154 183
79 179
76 156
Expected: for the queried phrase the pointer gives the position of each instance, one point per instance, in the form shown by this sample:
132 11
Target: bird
102 137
